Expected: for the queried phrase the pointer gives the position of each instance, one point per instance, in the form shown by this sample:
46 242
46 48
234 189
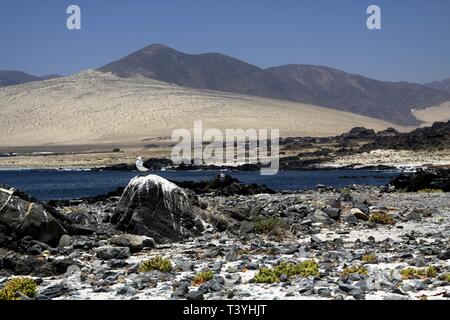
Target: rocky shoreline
227 240
360 148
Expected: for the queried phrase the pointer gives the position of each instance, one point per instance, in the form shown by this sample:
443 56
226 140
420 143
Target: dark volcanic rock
36 265
423 179
333 213
224 185
21 215
155 207
428 138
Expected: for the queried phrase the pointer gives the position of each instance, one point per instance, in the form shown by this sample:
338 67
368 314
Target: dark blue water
52 184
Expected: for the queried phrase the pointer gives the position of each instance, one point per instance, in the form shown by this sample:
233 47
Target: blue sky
413 45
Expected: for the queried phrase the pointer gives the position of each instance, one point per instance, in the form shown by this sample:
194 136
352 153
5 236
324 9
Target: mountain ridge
15 77
317 85
443 85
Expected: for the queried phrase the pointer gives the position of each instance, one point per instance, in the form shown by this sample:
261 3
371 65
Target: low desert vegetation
446 277
26 286
354 270
269 225
423 273
266 275
308 268
156 263
382 218
202 277
369 258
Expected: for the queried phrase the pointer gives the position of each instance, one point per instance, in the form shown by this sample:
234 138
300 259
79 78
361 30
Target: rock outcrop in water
155 207
436 179
224 185
21 215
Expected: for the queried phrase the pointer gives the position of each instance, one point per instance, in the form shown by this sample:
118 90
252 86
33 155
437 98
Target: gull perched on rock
140 165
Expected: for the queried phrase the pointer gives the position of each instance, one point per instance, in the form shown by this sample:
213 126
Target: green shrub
446 277
202 277
26 286
354 269
308 268
156 263
369 258
268 225
413 273
266 275
382 218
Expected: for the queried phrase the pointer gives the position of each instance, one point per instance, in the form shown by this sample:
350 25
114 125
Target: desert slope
93 107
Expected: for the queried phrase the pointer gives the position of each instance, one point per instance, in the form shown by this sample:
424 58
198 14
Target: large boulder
155 207
21 215
134 242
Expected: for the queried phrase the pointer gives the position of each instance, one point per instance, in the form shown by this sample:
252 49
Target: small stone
359 214
195 295
346 288
319 216
444 255
252 266
413 216
395 297
182 290
217 266
324 292
333 213
396 275
54 291
126 290
234 278
351 219
413 285
108 252
134 242
291 291
284 278
231 256
65 241
290 249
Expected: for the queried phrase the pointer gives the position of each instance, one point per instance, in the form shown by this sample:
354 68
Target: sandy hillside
93 107
433 114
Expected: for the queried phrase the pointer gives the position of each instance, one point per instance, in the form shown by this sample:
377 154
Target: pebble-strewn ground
324 225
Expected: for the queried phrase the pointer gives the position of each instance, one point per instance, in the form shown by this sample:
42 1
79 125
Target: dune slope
93 107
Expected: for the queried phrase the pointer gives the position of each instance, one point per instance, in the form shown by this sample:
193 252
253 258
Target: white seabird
140 164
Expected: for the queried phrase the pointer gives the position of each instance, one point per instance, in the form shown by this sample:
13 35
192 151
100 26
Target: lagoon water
55 184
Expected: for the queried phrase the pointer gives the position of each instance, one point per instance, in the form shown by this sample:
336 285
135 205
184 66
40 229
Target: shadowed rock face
21 216
155 207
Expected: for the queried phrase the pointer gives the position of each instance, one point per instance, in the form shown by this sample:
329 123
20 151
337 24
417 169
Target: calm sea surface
53 184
